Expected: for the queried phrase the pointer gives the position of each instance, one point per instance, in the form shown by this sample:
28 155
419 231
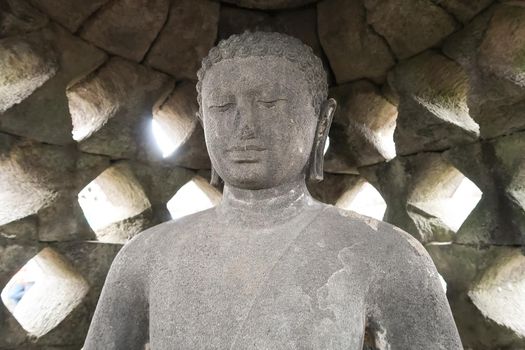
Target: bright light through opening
166 145
192 198
44 292
367 201
326 145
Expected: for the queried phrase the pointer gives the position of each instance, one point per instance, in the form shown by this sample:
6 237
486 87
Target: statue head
264 109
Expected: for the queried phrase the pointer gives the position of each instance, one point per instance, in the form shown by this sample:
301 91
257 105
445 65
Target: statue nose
246 124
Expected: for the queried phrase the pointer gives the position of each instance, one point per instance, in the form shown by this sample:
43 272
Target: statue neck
281 202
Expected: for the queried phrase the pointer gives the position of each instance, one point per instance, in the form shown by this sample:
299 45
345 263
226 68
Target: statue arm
411 310
121 317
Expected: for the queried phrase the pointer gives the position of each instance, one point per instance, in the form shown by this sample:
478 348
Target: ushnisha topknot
262 44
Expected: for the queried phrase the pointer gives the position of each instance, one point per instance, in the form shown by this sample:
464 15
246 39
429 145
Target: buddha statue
270 267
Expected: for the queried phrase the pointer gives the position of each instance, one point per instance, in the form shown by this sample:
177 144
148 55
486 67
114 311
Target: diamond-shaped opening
196 195
174 120
500 293
44 292
451 197
363 199
114 196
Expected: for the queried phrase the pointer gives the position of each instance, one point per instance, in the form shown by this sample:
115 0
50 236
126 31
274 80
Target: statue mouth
246 153
244 148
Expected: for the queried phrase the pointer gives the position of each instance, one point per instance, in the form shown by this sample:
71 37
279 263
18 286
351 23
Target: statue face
258 120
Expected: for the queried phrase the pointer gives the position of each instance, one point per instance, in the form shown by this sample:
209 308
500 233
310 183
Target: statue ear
323 127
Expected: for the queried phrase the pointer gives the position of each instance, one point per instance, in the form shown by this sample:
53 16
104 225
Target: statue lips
248 153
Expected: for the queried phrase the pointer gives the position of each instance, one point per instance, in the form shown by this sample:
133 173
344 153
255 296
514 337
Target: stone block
126 28
463 11
433 111
176 116
419 192
362 129
189 33
44 115
489 49
270 4
462 267
497 167
409 26
39 179
354 50
18 17
70 13
26 63
115 204
111 108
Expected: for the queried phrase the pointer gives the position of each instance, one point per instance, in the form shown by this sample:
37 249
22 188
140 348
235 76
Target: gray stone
18 17
42 180
270 4
44 115
190 31
26 63
416 190
270 267
177 116
70 13
354 50
409 26
489 49
112 107
126 28
497 168
433 111
463 267
363 128
463 11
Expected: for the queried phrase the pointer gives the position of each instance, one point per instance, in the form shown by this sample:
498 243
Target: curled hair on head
263 44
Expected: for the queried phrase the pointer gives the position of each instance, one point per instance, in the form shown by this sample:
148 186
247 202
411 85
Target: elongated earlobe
323 127
215 180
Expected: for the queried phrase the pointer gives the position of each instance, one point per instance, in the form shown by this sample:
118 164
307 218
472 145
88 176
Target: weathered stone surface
25 229
91 261
188 35
497 167
176 115
363 127
47 106
115 204
268 239
489 49
409 26
417 190
42 179
433 111
111 108
462 267
270 4
126 27
26 63
18 17
463 11
354 50
499 292
70 13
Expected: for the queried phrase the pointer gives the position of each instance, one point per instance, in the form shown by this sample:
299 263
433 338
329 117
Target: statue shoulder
384 241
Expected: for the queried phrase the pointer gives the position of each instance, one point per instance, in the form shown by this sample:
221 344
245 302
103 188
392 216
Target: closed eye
270 103
223 107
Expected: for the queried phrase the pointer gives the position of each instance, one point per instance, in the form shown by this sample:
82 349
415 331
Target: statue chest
267 291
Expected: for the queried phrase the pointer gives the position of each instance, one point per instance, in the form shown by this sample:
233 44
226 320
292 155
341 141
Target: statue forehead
258 71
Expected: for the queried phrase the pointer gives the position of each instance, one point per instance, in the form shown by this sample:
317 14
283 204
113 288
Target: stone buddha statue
270 267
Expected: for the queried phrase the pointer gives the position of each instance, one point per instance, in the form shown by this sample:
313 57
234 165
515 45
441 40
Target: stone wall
443 80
